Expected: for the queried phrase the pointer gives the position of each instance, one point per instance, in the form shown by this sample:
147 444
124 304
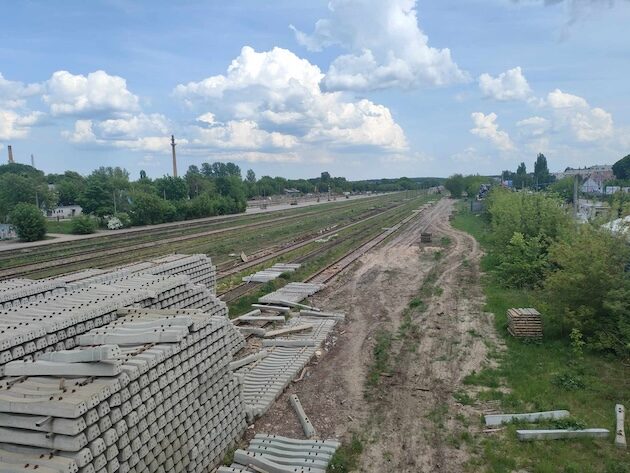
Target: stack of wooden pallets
525 323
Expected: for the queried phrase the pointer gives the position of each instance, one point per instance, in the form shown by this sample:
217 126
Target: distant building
292 192
64 211
592 185
7 232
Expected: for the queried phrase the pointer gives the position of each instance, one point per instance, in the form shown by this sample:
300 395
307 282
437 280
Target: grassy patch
346 458
61 226
544 376
381 356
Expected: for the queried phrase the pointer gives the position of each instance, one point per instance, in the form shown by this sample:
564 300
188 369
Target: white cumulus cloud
98 92
586 123
534 126
14 93
15 126
386 47
486 127
509 85
272 99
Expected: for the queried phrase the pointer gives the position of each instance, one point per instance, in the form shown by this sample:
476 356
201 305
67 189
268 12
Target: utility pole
575 196
114 195
174 156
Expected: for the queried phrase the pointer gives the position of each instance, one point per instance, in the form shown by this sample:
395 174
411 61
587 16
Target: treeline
579 273
112 199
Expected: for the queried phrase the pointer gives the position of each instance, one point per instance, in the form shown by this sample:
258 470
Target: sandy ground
411 420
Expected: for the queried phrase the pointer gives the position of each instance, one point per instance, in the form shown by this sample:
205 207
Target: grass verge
346 458
544 376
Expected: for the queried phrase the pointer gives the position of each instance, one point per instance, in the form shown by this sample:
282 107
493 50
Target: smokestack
32 161
10 154
174 156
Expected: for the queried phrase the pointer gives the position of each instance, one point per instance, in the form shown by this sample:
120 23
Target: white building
64 211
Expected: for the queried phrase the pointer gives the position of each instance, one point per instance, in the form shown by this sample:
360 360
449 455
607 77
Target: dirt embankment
410 420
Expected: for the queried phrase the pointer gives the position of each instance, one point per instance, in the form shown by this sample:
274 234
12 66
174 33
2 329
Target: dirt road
410 420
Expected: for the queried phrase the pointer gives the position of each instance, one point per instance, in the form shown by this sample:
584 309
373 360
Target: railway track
330 271
93 256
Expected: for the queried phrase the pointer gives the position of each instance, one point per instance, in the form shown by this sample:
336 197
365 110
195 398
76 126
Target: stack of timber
277 454
142 394
425 237
525 323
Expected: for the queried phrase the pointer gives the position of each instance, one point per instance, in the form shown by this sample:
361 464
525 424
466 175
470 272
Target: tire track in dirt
410 417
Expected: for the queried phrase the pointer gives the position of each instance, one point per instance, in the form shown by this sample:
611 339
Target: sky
359 88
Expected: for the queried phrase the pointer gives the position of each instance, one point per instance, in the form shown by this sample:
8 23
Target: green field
547 375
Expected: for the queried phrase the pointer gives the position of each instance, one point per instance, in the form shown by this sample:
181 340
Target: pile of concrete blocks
292 292
265 379
272 273
21 291
141 394
198 268
54 323
277 454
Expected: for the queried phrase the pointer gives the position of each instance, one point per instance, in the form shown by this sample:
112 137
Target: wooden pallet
525 323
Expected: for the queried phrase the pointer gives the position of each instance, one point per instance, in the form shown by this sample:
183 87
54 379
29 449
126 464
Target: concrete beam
498 419
555 434
620 433
308 428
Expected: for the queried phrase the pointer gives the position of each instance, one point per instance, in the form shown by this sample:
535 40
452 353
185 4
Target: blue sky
361 88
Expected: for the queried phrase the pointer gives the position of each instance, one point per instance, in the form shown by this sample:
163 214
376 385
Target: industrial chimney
10 154
174 157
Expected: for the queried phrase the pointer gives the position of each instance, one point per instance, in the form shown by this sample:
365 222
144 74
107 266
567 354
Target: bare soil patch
411 421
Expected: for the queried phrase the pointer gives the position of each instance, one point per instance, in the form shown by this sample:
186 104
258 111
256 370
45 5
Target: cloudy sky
361 88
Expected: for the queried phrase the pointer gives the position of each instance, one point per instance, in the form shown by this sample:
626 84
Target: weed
445 241
463 398
380 363
346 457
437 255
417 302
568 381
487 377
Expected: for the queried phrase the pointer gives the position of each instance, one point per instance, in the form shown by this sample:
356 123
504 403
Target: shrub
29 222
114 223
83 225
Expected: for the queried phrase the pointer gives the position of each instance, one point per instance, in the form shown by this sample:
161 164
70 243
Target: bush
83 225
29 222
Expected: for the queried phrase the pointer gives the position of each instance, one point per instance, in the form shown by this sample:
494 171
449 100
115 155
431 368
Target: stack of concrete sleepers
54 323
277 454
21 291
198 268
272 273
156 395
292 292
264 380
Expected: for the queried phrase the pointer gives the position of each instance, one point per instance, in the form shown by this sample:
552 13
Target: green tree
524 262
541 171
29 222
521 179
148 209
251 176
455 185
563 188
588 289
171 188
69 187
621 168
83 225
